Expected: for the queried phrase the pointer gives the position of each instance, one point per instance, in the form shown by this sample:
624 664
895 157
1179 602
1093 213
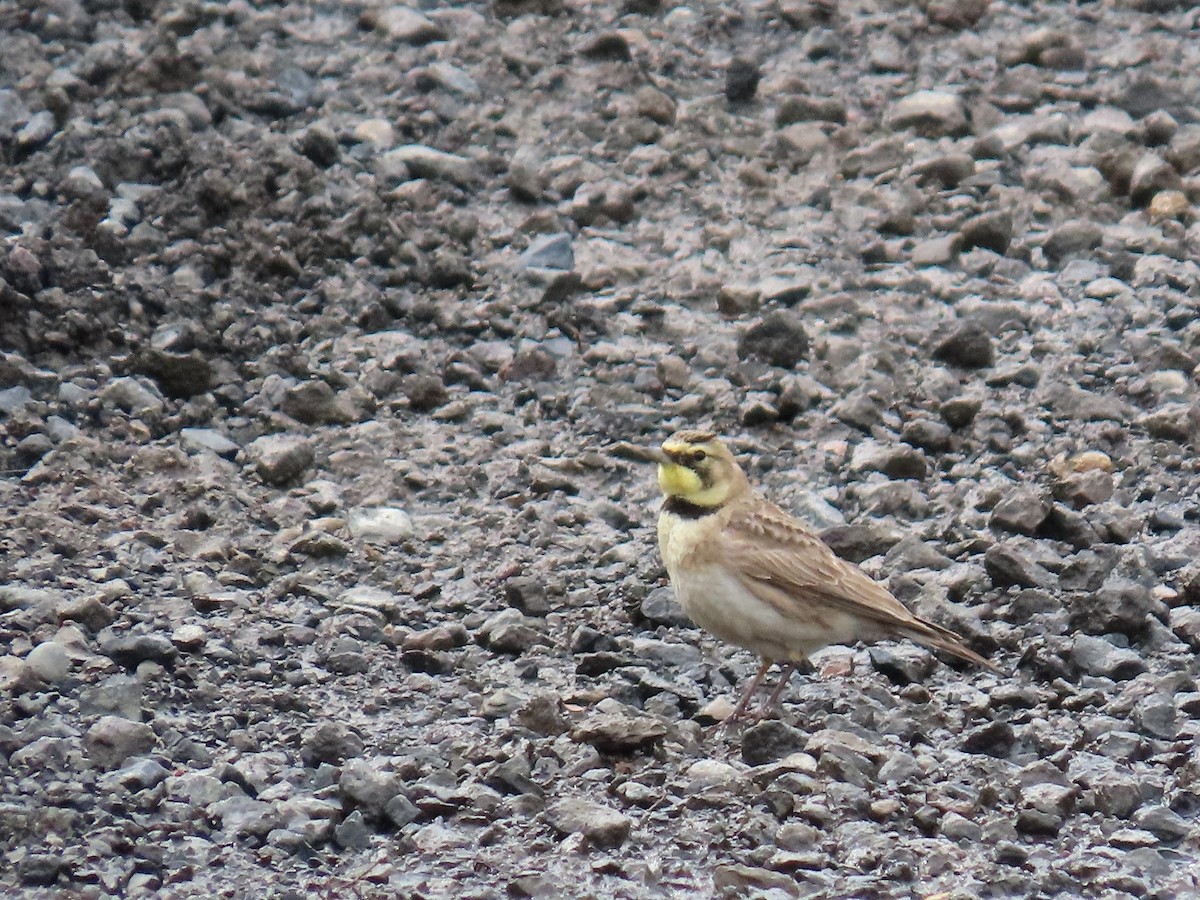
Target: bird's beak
639 454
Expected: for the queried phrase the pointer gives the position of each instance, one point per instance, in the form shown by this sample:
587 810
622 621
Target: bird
755 576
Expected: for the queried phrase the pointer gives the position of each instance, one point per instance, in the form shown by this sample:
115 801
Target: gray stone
1071 239
367 786
967 345
1120 606
778 339
133 395
1173 422
279 458
741 79
771 740
112 740
1043 808
929 113
426 162
958 412
548 251
405 24
1022 511
207 439
1006 566
50 662
1096 656
601 825
1152 174
938 251
661 608
1163 822
330 742
242 816
130 650
615 728
380 525
353 833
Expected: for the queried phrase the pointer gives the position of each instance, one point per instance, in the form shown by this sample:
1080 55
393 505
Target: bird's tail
939 638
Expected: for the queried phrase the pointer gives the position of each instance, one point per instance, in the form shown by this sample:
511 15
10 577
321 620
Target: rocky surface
317 320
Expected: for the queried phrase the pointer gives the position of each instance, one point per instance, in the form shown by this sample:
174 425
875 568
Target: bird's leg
739 711
785 676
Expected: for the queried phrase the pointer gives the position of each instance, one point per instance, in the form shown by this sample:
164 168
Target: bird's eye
699 456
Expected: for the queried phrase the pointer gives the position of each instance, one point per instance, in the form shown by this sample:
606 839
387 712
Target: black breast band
685 510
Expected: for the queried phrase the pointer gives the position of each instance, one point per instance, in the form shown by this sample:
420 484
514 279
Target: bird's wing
767 547
764 544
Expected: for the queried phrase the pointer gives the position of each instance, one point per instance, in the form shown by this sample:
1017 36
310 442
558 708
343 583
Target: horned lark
749 573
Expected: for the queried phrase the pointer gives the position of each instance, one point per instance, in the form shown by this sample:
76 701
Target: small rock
1085 488
741 80
330 742
1072 239
112 740
661 608
1120 606
939 251
545 715
902 664
1163 822
130 650
316 403
1096 656
134 396
1023 511
617 729
353 833
50 662
967 345
404 24
1042 808
601 825
777 339
426 162
279 458
771 740
1173 422
1006 566
380 525
548 251
1152 174
958 412
991 231
748 881
929 113
207 439
365 785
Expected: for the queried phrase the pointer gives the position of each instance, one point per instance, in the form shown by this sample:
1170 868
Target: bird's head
698 468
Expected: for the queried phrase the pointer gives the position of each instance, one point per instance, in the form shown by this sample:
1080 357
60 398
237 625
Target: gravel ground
317 322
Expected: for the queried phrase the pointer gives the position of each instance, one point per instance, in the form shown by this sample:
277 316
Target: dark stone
1023 511
1007 566
960 411
991 231
661 608
131 649
968 345
777 339
927 434
741 80
425 392
860 541
903 665
769 741
1120 606
993 739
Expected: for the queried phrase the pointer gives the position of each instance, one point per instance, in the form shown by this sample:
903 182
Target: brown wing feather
767 545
